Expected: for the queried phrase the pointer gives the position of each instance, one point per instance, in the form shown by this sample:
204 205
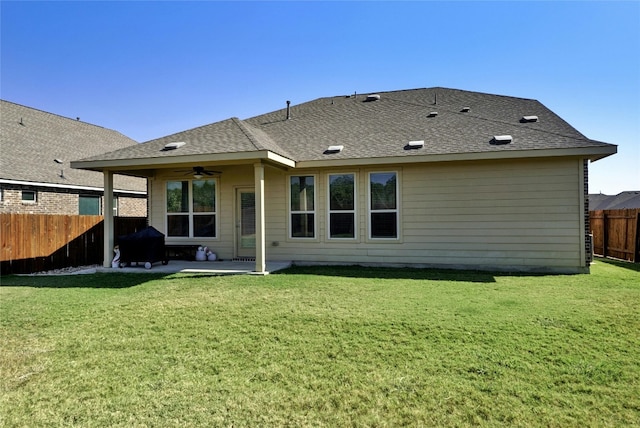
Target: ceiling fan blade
198 170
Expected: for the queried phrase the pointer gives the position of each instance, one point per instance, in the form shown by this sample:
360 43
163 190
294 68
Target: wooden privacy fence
36 242
616 233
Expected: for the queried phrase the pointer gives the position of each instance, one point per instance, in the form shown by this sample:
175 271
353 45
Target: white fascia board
593 153
603 152
281 159
150 163
67 186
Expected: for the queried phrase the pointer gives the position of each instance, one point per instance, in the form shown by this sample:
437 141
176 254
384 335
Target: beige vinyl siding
499 214
227 183
516 213
523 214
231 179
276 226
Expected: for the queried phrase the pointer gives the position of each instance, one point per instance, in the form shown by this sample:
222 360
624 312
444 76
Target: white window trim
354 211
35 197
314 211
396 210
190 213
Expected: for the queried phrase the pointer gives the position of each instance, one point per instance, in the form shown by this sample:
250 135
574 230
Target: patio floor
204 267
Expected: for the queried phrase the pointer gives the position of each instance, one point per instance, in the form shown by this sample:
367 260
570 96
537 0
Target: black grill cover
146 245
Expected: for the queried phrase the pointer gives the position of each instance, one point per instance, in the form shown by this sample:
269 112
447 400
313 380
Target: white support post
108 218
260 222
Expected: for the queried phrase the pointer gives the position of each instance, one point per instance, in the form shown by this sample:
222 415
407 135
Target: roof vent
173 146
415 145
333 149
465 109
526 119
372 97
432 114
502 139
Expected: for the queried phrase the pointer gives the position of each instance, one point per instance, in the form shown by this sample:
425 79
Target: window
302 208
29 196
383 205
89 205
191 208
342 207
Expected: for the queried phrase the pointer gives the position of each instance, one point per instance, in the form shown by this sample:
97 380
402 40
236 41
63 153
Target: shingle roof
228 136
378 129
31 139
382 128
628 199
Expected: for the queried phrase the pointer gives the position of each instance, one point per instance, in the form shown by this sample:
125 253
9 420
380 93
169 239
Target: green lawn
322 347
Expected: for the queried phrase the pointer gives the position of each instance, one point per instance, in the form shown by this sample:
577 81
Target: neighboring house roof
32 139
375 128
629 199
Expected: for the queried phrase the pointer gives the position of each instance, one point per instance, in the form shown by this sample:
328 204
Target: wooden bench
180 252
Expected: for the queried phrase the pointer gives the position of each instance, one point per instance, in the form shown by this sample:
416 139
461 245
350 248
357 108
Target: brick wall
48 201
62 201
132 207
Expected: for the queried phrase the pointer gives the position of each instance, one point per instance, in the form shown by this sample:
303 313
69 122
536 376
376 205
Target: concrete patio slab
204 267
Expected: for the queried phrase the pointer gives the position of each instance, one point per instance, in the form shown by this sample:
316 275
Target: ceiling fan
199 171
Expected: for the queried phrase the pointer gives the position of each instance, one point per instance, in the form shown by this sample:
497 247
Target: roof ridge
186 130
64 117
253 133
244 127
432 88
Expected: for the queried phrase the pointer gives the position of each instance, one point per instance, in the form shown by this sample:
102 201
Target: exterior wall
62 201
512 214
47 201
231 179
522 215
131 207
507 215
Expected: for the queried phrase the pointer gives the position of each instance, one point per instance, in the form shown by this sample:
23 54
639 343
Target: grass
322 347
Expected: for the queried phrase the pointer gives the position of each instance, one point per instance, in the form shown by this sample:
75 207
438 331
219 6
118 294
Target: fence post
636 241
604 234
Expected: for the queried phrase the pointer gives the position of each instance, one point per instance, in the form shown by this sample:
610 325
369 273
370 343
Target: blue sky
149 69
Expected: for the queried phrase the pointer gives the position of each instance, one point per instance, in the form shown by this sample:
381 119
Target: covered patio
189 200
201 267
